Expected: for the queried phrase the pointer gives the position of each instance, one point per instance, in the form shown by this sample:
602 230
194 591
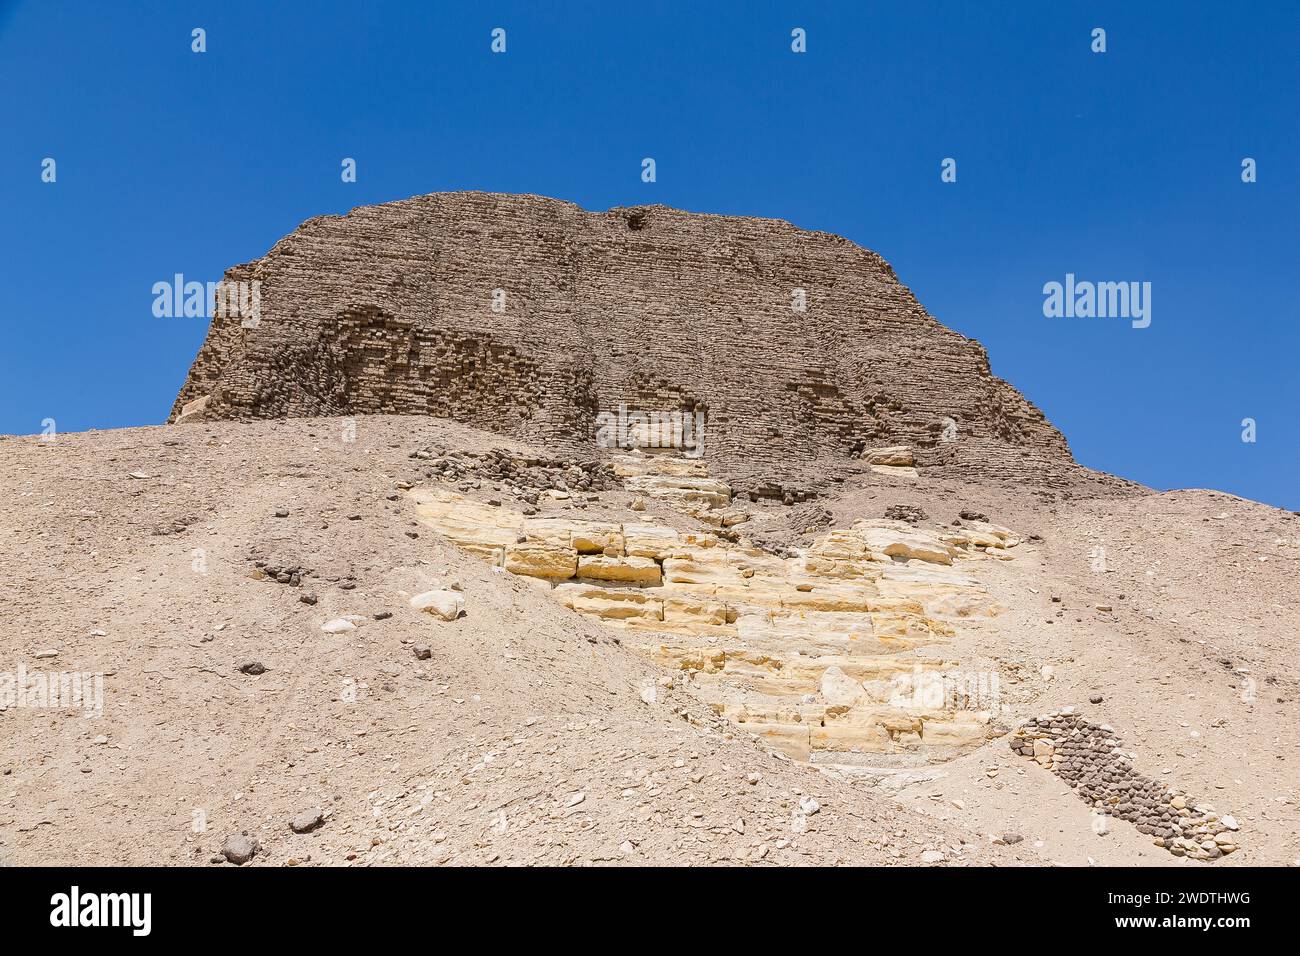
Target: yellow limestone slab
585 537
642 540
539 559
611 604
643 571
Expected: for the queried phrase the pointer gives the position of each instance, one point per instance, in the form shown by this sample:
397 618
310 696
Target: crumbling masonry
390 309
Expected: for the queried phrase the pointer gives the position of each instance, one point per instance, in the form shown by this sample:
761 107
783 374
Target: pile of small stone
290 574
520 473
810 518
176 526
769 489
790 529
1089 758
912 514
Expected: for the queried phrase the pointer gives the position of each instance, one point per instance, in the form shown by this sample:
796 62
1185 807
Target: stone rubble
516 473
1089 757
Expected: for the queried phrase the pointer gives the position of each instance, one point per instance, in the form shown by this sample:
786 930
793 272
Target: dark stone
239 849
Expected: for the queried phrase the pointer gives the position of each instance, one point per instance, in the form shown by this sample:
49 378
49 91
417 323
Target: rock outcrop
814 652
798 351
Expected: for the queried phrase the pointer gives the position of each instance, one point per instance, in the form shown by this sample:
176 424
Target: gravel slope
525 737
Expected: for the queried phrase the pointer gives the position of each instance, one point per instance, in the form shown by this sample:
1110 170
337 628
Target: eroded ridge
815 652
1090 759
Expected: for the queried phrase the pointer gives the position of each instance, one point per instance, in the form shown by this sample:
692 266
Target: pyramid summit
530 317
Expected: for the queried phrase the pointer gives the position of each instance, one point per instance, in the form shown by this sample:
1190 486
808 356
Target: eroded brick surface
389 309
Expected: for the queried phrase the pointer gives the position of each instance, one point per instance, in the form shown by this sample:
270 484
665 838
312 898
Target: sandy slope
1196 663
521 707
480 753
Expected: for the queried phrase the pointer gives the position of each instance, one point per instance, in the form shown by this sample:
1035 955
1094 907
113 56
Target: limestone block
557 532
839 544
792 739
443 604
679 435
466 522
649 540
864 669
702 545
839 690
810 632
700 570
764 675
913 629
708 492
852 730
687 657
895 471
842 554
922 576
541 560
491 553
586 537
598 539
1004 537
868 567
963 604
830 595
805 650
753 562
700 612
897 539
962 730
193 411
639 463
643 571
899 455
969 538
782 729
618 604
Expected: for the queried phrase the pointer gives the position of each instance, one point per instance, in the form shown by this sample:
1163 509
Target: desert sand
525 731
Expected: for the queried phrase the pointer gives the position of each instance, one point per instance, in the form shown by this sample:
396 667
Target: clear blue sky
1117 166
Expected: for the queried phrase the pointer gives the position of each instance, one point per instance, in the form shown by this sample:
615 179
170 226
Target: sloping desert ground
532 734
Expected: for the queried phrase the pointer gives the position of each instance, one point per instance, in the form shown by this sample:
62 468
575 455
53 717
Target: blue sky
1122 166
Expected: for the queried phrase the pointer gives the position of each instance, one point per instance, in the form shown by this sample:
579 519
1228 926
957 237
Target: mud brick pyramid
389 310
